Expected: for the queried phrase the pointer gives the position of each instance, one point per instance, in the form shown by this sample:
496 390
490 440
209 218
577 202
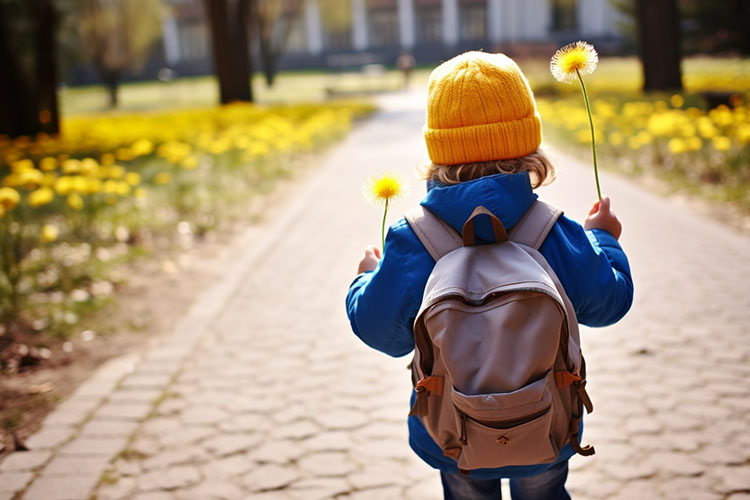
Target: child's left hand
370 260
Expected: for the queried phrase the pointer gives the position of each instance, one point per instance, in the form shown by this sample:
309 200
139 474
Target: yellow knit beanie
480 108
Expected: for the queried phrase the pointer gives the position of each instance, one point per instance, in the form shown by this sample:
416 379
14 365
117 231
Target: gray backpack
497 368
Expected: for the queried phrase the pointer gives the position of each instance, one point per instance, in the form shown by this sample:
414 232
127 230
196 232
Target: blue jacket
382 304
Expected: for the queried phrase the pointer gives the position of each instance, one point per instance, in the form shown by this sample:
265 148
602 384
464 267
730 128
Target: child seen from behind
483 134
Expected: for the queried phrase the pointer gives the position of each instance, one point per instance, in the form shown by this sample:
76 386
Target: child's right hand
600 217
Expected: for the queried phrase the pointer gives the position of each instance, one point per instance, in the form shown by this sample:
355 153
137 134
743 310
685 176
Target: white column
313 31
359 24
171 39
494 28
510 19
531 19
591 17
450 22
406 23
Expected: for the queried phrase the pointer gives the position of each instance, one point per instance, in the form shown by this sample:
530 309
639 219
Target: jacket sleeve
594 271
381 305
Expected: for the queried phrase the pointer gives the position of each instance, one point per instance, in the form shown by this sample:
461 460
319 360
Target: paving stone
180 476
299 430
211 490
21 461
184 435
628 471
14 481
135 395
734 479
154 495
374 494
146 380
229 444
106 427
341 419
102 446
678 464
49 437
224 468
174 456
124 411
683 488
278 452
202 416
269 477
75 465
327 464
67 487
318 488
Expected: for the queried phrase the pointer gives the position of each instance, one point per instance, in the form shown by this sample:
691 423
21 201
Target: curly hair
540 169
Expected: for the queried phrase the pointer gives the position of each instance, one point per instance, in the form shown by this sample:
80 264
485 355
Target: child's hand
370 260
600 217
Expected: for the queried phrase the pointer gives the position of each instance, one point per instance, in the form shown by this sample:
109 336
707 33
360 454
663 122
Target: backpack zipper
501 424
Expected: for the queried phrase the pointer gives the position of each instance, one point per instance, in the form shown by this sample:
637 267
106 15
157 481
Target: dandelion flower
41 197
9 198
572 60
381 190
567 65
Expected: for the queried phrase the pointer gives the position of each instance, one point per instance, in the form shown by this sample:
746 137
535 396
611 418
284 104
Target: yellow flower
48 164
133 178
162 178
50 232
383 188
41 197
574 58
75 202
721 143
9 198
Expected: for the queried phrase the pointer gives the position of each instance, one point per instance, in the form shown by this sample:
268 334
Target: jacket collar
508 196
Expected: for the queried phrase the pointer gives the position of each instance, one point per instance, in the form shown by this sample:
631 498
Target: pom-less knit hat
480 108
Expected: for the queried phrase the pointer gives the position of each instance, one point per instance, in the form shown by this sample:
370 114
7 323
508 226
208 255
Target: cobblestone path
263 392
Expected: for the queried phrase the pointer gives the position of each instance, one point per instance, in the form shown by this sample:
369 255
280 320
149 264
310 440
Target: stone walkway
263 392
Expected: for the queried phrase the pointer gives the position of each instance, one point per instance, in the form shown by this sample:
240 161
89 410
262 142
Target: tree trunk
46 66
229 20
18 111
659 44
269 60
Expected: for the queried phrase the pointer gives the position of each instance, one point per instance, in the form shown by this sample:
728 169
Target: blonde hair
541 171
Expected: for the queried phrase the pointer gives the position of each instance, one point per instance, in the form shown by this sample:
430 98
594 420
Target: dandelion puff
574 58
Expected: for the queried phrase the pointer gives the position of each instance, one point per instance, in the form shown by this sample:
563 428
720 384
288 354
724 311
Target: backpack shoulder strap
535 225
436 235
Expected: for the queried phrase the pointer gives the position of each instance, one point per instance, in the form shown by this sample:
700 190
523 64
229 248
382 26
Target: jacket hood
508 196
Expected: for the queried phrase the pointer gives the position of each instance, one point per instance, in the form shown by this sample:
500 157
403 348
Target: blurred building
341 33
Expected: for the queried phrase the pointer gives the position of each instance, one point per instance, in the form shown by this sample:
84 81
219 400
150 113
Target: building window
194 41
429 21
382 27
473 21
564 15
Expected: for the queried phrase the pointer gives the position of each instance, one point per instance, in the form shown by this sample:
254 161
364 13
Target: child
483 133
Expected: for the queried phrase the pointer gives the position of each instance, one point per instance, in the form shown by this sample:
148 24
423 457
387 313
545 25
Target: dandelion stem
593 140
382 229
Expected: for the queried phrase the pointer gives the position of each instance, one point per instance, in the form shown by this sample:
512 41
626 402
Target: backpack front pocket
512 428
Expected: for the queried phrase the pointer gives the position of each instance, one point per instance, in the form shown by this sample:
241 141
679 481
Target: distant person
483 134
406 64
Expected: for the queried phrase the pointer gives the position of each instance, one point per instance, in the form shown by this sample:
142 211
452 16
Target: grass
289 87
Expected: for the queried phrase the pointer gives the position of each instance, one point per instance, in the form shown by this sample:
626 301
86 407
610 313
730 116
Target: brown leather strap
452 453
436 235
564 378
420 404
535 225
431 384
467 233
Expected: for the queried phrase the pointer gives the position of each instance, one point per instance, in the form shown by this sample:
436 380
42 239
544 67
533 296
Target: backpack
498 371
